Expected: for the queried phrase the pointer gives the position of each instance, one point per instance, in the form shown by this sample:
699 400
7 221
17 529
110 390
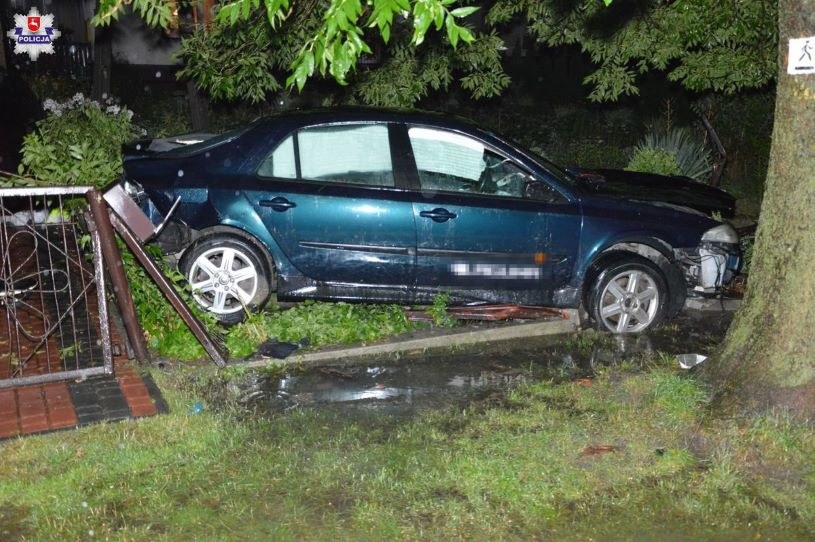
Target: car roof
371 114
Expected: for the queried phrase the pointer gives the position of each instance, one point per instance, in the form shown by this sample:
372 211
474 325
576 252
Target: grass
528 468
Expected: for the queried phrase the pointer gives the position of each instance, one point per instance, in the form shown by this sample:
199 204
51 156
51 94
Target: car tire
228 277
629 295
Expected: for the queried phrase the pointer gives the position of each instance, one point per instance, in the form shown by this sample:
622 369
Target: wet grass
625 455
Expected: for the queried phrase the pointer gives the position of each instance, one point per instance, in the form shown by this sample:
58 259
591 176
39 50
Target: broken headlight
721 234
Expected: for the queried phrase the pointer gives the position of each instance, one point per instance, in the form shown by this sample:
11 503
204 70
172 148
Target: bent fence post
118 278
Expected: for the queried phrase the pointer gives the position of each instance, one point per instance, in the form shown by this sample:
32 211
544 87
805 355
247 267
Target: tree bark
199 108
768 358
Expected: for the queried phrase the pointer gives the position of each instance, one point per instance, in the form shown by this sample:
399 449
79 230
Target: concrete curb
461 338
713 305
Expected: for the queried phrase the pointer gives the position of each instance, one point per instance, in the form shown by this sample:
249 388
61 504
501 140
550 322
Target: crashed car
393 206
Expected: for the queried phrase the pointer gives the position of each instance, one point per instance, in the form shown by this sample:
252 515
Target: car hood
647 187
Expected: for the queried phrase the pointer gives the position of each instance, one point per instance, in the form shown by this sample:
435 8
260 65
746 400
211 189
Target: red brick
9 428
62 418
33 425
142 409
57 394
8 403
28 410
29 393
136 391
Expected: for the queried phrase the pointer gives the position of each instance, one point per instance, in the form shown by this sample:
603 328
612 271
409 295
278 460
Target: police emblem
33 34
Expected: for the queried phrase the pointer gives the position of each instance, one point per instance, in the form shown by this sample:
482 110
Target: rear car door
481 233
328 195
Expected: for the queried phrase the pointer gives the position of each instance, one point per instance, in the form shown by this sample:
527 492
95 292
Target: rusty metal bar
218 356
492 313
118 279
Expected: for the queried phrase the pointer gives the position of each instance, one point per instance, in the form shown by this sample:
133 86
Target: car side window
354 153
280 163
452 162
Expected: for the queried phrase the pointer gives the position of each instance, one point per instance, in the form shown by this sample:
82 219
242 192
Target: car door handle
278 204
438 214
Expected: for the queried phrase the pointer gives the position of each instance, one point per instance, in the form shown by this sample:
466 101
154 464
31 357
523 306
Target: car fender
238 214
598 258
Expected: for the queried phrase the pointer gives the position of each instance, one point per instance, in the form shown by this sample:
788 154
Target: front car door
328 195
482 233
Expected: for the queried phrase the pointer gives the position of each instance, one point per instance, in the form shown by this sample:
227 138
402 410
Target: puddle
402 388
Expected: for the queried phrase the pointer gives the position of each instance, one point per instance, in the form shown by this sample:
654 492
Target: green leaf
464 11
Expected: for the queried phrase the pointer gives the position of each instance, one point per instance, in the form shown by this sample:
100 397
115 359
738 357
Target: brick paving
51 325
42 408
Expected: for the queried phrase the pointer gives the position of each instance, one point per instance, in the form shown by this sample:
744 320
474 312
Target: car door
486 228
328 196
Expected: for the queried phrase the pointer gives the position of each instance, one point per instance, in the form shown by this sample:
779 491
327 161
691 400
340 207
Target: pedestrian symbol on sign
805 52
800 56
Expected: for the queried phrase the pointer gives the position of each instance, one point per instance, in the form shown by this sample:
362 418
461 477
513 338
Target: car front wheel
227 277
629 296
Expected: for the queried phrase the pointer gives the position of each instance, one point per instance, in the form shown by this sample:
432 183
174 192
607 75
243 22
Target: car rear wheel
629 296
228 277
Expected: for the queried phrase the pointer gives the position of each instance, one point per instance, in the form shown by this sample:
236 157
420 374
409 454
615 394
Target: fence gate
53 309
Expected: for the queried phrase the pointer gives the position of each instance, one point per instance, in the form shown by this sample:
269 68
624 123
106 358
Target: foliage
690 156
153 12
250 62
653 160
237 63
59 88
321 324
322 36
78 142
165 331
8 180
745 124
702 44
438 311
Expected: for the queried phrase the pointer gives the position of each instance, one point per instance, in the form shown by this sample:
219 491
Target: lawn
630 454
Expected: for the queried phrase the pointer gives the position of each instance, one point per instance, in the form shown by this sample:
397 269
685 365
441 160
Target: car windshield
555 170
194 148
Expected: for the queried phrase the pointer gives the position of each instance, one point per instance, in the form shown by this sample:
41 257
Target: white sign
801 56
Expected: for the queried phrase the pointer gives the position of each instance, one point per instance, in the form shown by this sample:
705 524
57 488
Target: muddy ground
478 374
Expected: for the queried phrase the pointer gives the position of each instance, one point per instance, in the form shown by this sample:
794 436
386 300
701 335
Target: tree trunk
199 108
768 359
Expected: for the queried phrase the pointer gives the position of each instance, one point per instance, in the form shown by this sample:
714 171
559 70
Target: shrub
648 160
690 154
78 142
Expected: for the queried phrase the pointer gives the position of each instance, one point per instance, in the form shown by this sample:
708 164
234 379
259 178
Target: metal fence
71 59
53 311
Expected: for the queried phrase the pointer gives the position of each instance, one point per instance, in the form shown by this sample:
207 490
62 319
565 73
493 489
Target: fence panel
53 309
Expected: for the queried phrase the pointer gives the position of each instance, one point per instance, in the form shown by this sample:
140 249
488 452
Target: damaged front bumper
710 266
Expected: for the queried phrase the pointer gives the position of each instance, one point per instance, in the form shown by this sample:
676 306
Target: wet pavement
485 372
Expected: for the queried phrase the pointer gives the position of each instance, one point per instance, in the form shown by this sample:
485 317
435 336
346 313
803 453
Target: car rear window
195 148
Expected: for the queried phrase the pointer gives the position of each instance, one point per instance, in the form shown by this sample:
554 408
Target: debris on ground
491 313
688 361
272 348
599 449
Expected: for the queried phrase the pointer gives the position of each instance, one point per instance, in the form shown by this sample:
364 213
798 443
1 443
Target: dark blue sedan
374 205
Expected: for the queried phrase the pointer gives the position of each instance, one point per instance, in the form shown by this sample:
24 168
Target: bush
648 160
78 142
691 156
